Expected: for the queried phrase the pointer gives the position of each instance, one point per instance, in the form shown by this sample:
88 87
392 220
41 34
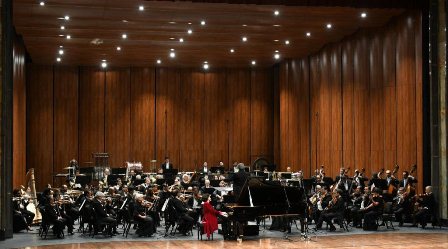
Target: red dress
209 219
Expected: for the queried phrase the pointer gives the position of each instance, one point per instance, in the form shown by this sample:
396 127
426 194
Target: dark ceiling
96 29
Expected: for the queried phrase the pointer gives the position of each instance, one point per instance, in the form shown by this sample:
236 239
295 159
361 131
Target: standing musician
373 210
334 209
166 165
424 209
22 218
205 169
392 183
408 182
146 223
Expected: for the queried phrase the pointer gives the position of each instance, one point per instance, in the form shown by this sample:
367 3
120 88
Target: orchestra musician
373 210
425 205
54 215
334 209
101 213
145 222
166 165
402 206
195 204
205 169
356 200
186 221
408 182
22 218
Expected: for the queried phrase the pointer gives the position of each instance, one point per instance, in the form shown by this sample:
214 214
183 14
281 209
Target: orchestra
212 197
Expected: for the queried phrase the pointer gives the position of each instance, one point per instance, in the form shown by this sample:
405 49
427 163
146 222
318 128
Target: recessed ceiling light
277 56
253 62
190 31
276 25
276 40
172 38
276 51
308 34
61 35
61 46
244 39
67 18
124 20
181 40
124 36
287 42
62 27
159 61
244 25
363 14
172 54
190 23
205 66
172 22
276 12
329 26
58 59
61 52
103 64
42 3
103 60
118 48
141 8
69 37
232 50
172 49
202 22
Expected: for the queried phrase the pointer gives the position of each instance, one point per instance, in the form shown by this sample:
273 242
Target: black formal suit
335 210
239 179
53 215
186 221
426 207
102 216
145 223
164 167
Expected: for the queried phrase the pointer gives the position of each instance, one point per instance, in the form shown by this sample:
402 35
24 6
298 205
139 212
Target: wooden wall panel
168 109
191 121
19 114
315 115
348 104
285 96
91 114
238 92
376 104
405 76
293 138
261 115
216 124
419 96
142 116
65 118
117 119
336 108
304 119
361 102
39 136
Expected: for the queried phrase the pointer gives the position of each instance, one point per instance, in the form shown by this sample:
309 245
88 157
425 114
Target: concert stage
403 237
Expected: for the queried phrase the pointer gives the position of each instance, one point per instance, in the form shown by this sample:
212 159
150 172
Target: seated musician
145 222
355 205
425 205
65 204
373 210
209 189
195 204
185 181
334 209
22 218
209 216
100 212
402 206
319 202
54 215
186 221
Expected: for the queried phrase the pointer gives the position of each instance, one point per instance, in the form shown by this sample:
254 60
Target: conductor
239 179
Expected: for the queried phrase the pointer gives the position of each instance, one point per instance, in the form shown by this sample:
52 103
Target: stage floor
402 237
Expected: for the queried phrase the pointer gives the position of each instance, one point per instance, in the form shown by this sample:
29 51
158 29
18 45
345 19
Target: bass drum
260 163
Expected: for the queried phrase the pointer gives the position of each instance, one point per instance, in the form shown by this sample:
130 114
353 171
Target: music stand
217 169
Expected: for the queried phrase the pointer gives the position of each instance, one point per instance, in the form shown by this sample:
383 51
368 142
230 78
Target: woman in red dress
209 216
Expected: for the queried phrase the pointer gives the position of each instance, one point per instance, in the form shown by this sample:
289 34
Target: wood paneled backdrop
356 103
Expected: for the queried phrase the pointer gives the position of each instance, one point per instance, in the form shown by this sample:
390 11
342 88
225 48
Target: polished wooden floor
364 241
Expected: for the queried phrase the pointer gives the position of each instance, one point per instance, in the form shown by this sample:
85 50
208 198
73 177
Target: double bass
409 187
392 188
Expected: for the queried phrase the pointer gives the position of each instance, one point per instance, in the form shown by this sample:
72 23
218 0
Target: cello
392 188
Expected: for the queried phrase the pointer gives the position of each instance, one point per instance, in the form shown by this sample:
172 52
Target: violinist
186 221
373 210
22 218
101 214
195 204
356 199
54 214
425 205
145 223
334 209
402 206
185 181
64 203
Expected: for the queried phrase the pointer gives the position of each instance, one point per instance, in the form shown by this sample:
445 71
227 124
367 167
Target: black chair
171 218
128 221
200 227
388 215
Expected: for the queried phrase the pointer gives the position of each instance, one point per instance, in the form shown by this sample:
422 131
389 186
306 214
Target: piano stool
200 226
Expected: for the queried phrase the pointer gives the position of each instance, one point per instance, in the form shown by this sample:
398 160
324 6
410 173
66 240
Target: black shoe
400 224
332 228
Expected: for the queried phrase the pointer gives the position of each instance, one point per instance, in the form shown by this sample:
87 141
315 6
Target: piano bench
200 226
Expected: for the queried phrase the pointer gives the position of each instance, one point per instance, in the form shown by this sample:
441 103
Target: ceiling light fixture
61 52
172 22
276 56
276 40
244 39
308 34
62 27
276 25
172 38
329 26
118 48
276 12
181 40
58 59
67 18
68 37
104 64
205 65
141 8
124 36
363 14
287 42
172 54
190 31
203 23
42 3
244 25
159 61
232 50
254 63
61 35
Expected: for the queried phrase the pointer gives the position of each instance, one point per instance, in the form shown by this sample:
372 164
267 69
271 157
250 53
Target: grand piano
260 198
